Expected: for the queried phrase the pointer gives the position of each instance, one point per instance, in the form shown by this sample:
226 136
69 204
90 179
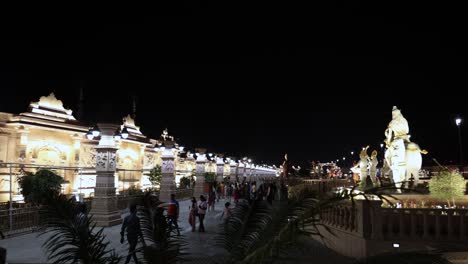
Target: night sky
315 82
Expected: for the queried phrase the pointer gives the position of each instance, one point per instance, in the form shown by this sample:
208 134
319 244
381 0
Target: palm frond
73 239
163 245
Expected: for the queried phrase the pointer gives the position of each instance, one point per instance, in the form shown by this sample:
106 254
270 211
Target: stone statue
373 162
402 156
396 135
363 164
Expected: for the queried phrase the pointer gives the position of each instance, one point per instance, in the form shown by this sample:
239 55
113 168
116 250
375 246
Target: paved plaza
27 248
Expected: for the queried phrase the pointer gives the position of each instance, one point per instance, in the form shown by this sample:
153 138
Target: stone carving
200 169
149 160
167 166
105 161
87 156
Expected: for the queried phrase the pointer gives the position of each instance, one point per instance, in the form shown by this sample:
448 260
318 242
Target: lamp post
458 122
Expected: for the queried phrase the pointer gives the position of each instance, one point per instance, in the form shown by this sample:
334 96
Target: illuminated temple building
48 135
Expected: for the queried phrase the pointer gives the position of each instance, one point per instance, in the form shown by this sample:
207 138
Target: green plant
155 175
184 182
39 186
447 185
210 177
74 237
134 190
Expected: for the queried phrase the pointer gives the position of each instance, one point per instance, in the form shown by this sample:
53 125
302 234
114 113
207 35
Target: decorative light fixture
89 135
117 135
124 133
181 148
249 160
95 130
458 121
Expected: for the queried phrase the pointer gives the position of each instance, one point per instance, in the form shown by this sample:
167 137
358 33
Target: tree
447 185
155 175
210 177
37 187
184 182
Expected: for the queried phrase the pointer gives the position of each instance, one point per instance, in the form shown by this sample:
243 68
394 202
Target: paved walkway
201 246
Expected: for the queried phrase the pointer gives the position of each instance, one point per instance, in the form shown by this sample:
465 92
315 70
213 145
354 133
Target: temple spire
80 110
134 105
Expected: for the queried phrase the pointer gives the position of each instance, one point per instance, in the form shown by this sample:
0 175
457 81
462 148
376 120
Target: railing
424 223
21 220
342 216
367 219
326 185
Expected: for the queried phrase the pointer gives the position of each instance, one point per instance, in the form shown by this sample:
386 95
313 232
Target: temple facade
48 135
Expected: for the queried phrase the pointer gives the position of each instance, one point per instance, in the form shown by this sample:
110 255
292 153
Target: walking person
193 213
173 213
236 195
227 212
131 223
202 206
211 200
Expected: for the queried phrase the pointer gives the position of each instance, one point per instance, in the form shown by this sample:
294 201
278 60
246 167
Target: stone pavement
201 246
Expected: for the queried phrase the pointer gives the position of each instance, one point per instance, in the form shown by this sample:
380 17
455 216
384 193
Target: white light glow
24 140
396 245
458 121
76 144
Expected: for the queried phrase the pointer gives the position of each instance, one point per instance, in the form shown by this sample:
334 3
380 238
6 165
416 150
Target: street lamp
458 122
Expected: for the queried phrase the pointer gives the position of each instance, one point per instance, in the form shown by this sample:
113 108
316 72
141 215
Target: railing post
425 224
401 217
449 223
413 218
10 209
462 224
376 219
390 223
437 224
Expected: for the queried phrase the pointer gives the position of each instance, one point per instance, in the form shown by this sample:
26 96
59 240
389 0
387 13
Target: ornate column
104 204
219 168
232 171
21 143
241 171
168 171
200 173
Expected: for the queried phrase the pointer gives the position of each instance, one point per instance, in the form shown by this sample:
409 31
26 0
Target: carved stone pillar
232 171
219 168
168 172
200 173
104 204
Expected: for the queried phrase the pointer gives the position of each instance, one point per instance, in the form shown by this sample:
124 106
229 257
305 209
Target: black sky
313 81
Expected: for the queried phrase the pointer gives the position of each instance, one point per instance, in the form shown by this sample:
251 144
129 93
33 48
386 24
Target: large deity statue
402 156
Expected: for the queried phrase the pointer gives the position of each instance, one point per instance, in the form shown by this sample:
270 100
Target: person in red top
236 195
173 213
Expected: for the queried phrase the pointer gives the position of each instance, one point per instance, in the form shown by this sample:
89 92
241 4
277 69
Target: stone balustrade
367 219
423 223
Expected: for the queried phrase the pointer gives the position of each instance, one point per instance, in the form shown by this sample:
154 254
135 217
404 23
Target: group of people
198 209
